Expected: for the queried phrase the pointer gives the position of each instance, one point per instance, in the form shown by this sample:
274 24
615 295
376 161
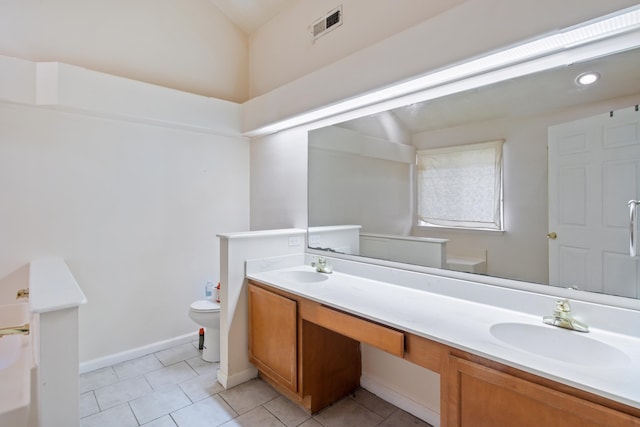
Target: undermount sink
558 344
303 276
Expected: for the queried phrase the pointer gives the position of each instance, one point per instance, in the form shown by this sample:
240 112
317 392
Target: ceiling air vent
330 21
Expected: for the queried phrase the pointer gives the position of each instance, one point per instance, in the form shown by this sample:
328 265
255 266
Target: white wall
133 208
185 45
279 181
406 385
360 180
283 50
351 189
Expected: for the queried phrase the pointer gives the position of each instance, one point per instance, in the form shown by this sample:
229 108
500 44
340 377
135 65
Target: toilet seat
206 314
205 306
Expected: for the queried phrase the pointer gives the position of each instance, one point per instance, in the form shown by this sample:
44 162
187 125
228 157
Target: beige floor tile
164 400
201 386
211 411
177 354
348 413
173 374
137 367
88 404
257 417
374 403
202 367
96 379
288 413
164 396
122 392
247 396
120 416
310 423
165 421
401 418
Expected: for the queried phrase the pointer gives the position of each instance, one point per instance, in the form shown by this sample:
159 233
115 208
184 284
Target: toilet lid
205 305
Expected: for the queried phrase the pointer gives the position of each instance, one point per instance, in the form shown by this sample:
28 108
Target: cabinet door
273 336
479 396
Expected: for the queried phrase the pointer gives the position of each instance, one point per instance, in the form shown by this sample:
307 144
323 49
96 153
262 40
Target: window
461 186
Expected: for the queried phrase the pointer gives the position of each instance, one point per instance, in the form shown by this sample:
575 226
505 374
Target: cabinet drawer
382 337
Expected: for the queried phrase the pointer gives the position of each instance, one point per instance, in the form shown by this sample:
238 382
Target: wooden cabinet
310 364
273 336
480 396
311 353
330 366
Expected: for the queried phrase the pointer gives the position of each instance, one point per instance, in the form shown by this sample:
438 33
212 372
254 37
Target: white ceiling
249 15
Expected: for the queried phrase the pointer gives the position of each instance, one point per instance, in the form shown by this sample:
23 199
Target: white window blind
461 186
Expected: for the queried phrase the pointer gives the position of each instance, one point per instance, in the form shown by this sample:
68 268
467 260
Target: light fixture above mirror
559 48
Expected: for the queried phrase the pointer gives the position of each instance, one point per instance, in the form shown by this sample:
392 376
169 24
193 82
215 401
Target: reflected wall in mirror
362 179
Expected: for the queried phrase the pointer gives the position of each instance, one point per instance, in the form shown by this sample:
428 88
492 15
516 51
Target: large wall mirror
571 162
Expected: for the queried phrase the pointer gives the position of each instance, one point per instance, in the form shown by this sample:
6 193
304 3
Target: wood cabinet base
331 366
309 364
311 354
480 396
330 369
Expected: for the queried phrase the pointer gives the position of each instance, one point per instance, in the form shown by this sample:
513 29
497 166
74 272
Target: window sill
459 229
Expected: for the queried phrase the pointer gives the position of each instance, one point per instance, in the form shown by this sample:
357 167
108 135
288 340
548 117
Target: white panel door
594 170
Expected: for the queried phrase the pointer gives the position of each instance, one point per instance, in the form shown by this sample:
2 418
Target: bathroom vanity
305 330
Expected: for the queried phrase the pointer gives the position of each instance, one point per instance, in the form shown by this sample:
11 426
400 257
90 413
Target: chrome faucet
15 330
322 266
563 318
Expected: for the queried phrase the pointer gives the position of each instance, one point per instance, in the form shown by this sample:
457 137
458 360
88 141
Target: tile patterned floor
175 387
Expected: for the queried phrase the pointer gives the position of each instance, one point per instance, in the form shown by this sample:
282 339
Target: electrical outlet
314 241
295 241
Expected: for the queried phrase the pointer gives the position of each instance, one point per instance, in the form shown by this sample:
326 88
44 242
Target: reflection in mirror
362 179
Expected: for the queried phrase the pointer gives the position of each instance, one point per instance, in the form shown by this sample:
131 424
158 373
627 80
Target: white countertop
465 325
52 286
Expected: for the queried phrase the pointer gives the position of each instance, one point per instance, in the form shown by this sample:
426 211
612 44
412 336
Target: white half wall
235 250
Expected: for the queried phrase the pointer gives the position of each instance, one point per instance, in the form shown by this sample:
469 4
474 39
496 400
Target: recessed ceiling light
589 78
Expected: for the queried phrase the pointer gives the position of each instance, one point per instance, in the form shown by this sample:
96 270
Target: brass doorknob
552 235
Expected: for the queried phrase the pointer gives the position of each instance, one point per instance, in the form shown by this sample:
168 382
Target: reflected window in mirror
461 186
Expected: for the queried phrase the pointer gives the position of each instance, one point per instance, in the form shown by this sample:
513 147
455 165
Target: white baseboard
229 381
392 396
101 362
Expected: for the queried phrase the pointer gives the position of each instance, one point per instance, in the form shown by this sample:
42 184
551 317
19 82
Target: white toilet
207 314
